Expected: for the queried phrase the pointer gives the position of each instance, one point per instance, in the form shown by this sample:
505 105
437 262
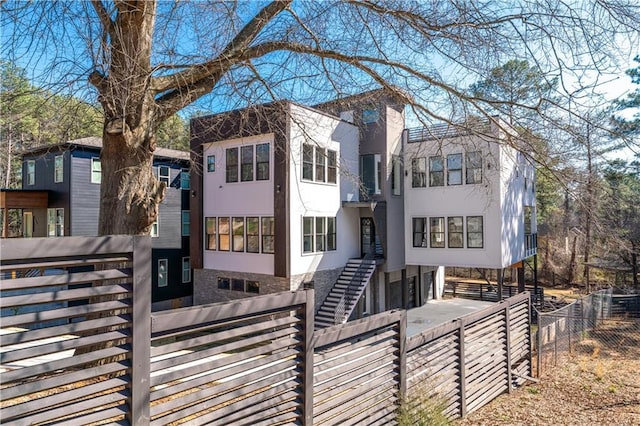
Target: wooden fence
80 346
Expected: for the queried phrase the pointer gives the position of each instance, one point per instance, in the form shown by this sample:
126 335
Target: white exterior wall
323 199
240 199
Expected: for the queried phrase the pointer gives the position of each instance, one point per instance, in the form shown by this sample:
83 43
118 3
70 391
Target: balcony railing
530 244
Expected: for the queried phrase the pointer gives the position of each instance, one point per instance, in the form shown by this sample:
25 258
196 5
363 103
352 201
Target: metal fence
588 325
81 346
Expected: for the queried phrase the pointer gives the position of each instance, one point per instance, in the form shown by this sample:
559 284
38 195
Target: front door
27 224
367 236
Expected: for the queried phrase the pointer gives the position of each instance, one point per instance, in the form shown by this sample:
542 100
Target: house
469 198
60 196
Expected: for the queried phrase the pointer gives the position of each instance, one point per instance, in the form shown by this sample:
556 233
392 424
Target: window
371 173
436 171
332 166
253 235
420 232
185 179
307 235
163 269
211 163
370 115
31 172
186 269
232 165
238 234
419 172
321 236
58 169
224 234
396 175
321 158
331 233
186 223
474 232
262 161
268 235
211 243
528 216
237 284
224 283
455 232
55 222
164 174
437 232
474 167
96 170
307 162
454 169
155 228
246 163
253 287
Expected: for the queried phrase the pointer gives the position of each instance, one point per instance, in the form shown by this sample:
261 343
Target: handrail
347 298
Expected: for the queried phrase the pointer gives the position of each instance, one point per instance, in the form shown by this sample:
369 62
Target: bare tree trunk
571 270
588 212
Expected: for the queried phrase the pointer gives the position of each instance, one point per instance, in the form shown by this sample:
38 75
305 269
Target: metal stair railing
342 310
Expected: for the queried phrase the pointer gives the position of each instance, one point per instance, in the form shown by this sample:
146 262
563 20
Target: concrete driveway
440 311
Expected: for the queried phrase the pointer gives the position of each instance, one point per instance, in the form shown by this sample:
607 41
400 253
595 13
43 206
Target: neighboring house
291 197
469 198
60 196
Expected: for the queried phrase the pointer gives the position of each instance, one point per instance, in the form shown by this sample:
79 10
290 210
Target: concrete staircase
346 292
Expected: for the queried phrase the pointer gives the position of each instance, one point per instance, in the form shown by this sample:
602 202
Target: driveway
440 311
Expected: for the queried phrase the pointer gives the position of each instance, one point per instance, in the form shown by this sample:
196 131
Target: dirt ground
598 386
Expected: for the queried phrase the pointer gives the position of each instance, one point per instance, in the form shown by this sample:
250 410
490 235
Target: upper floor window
454 169
419 172
370 115
396 175
211 163
371 173
246 163
224 234
185 179
253 235
237 224
96 170
58 169
455 232
318 234
268 235
186 223
528 217
31 172
262 161
252 161
319 164
420 232
475 234
240 234
473 167
164 174
211 228
437 232
436 171
232 164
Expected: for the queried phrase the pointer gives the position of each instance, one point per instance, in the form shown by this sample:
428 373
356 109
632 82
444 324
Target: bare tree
146 60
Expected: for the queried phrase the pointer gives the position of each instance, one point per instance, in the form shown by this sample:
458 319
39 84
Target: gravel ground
595 387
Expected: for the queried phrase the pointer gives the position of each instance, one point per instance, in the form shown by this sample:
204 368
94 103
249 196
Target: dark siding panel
170 213
85 196
175 287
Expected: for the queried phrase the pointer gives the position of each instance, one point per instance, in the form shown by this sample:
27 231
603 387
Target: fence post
555 341
463 374
402 356
307 381
141 329
507 321
569 327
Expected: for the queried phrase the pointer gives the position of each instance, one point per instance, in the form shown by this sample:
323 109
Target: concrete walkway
440 311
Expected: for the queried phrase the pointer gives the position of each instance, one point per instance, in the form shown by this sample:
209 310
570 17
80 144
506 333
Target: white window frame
396 175
155 228
186 272
185 214
163 281
320 239
162 177
319 165
96 172
58 169
31 172
211 163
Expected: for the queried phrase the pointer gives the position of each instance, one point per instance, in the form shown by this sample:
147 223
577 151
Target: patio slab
440 311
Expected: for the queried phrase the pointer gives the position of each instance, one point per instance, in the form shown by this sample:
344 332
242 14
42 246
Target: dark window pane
332 167
237 284
247 163
307 162
232 164
262 161
224 283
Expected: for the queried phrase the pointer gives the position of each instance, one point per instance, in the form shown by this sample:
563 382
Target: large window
224 234
420 232
436 171
186 269
455 232
96 170
371 173
253 235
246 163
473 167
186 223
262 161
31 172
232 164
318 234
454 169
474 232
419 172
163 272
211 225
58 169
55 222
319 164
396 175
437 232
268 235
164 174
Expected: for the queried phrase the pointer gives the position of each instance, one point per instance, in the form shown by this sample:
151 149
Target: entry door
27 224
367 236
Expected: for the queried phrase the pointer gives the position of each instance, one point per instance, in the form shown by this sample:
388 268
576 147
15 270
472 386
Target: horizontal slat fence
80 346
67 328
464 364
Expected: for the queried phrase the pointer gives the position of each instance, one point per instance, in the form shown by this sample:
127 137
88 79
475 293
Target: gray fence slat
64 279
65 295
363 342
344 408
32 248
327 399
344 357
57 263
341 332
348 373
